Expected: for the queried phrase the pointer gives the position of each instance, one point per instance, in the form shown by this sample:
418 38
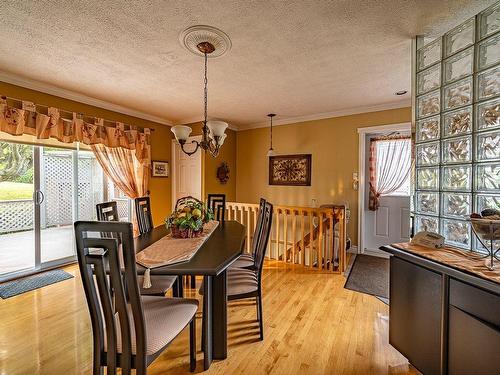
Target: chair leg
192 344
175 288
203 331
261 317
193 282
257 306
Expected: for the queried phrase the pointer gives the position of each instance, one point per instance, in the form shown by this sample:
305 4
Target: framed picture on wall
291 170
160 168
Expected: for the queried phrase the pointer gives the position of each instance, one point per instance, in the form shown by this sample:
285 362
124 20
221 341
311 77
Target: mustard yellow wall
333 144
160 188
211 184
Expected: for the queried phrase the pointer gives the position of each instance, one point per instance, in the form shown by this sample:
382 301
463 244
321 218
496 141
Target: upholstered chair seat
164 319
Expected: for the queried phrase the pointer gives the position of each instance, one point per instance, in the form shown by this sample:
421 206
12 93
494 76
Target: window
385 152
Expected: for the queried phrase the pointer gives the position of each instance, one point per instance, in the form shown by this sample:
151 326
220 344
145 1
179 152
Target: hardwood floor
312 325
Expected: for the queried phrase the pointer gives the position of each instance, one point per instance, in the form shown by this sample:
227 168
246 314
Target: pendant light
271 150
213 132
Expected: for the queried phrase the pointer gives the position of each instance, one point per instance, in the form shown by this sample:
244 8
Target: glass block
458 94
428 129
488 115
427 223
456 233
429 79
429 54
488 177
428 203
460 37
428 178
488 146
457 150
428 104
457 177
428 154
488 83
457 205
489 52
459 66
489 21
457 122
484 201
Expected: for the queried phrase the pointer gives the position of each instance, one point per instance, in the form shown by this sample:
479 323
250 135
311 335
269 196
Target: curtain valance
16 121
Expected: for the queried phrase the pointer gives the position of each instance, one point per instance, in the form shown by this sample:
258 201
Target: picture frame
290 170
159 168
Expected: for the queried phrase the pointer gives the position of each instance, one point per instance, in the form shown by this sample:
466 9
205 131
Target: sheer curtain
124 169
390 166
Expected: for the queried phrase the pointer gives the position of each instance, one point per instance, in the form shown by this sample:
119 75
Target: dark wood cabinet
473 345
415 314
443 320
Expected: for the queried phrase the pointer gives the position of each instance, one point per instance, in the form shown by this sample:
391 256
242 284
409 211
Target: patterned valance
28 121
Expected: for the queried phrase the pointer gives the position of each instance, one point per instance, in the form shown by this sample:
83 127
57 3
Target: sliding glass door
17 208
57 208
43 191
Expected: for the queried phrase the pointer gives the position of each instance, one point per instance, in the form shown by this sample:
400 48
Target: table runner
467 261
169 250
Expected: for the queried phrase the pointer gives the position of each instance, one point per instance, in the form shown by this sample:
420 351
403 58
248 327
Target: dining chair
247 283
143 214
107 211
129 331
217 203
247 260
160 284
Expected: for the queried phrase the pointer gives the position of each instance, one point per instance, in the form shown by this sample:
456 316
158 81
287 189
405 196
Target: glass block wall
457 127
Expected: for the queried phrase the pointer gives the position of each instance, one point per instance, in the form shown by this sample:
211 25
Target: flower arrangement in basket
188 218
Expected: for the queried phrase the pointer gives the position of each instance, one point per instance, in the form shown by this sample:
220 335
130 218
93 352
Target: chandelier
213 131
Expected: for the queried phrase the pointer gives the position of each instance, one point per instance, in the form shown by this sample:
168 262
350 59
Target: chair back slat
143 214
105 299
258 226
267 221
217 203
107 211
112 298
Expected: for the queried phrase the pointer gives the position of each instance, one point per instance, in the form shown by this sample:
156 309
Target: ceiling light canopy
208 42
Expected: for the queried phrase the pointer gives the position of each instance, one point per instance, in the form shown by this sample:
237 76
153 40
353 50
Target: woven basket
185 233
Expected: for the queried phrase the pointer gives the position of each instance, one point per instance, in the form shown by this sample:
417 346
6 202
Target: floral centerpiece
188 218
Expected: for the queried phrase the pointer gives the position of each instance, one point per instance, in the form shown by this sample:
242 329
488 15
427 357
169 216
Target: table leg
219 316
207 323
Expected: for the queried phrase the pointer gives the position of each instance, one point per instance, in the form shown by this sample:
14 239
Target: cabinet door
474 347
415 314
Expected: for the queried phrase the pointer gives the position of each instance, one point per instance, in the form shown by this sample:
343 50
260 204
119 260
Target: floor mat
26 284
369 274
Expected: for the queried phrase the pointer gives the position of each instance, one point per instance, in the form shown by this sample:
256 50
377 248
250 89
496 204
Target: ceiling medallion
194 35
208 42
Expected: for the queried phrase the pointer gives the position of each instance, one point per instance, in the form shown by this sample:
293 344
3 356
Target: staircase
301 235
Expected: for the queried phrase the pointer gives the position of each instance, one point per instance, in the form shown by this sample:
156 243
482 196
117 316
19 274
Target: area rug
26 284
370 275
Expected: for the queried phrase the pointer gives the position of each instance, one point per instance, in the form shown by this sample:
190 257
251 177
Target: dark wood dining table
211 261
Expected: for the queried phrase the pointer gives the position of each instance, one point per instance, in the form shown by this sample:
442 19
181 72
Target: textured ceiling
294 58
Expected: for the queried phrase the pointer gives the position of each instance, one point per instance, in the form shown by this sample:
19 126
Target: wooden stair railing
302 235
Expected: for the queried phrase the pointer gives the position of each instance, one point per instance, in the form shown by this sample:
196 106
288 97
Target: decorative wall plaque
223 173
291 170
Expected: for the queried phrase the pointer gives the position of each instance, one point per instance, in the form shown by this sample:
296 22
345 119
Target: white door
186 171
391 222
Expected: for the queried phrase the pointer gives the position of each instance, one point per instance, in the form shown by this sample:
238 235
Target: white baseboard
376 253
